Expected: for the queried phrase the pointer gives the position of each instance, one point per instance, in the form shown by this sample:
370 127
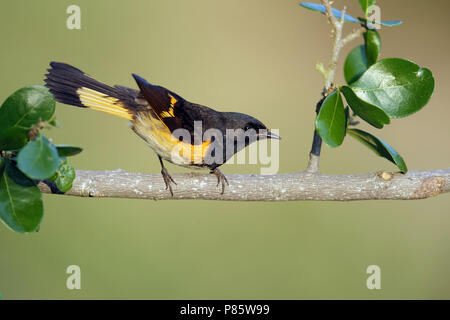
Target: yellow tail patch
99 101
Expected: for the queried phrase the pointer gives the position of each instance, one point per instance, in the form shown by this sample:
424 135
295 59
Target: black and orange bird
156 113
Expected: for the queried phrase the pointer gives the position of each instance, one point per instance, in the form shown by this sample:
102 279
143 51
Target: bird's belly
160 139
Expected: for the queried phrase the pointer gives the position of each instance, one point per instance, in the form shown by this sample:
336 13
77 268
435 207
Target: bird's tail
72 86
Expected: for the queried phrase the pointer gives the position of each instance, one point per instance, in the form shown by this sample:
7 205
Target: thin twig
334 22
353 35
329 73
337 26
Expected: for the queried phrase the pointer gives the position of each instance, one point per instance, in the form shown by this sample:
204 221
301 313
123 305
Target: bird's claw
168 180
220 179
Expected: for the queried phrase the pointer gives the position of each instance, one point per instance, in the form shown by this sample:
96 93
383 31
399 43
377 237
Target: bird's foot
167 180
220 179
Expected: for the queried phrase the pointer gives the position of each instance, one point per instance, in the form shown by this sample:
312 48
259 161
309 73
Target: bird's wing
169 107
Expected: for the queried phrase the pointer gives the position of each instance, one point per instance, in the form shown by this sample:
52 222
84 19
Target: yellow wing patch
166 114
169 114
99 101
172 100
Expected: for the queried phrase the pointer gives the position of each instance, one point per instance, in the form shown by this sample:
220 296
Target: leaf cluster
28 156
376 90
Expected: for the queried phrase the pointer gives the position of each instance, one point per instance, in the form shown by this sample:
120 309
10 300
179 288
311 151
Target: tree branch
281 187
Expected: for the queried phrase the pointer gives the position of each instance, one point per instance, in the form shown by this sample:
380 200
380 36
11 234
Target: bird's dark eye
247 127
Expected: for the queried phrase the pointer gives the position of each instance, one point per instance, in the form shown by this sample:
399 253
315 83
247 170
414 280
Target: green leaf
355 64
64 177
55 123
65 150
21 207
373 46
366 4
397 86
331 121
13 138
366 111
21 111
38 159
380 147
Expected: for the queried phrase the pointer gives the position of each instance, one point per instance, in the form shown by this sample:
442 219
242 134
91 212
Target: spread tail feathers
71 86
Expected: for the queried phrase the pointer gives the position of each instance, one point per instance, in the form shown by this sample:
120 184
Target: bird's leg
220 178
166 176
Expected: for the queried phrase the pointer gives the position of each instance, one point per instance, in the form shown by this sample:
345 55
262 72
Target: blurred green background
251 56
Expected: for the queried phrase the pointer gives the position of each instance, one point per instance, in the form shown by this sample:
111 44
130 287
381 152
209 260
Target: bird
177 130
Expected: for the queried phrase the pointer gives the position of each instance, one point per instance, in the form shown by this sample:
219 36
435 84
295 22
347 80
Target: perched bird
158 116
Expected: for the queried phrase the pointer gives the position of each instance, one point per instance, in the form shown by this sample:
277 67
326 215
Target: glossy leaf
373 46
397 86
355 64
321 8
65 150
21 207
39 159
366 4
331 121
366 111
21 111
64 177
13 138
380 147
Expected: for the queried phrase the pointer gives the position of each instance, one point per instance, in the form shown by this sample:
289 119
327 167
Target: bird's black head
247 126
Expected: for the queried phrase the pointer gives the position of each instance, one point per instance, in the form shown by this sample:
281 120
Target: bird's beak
271 135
